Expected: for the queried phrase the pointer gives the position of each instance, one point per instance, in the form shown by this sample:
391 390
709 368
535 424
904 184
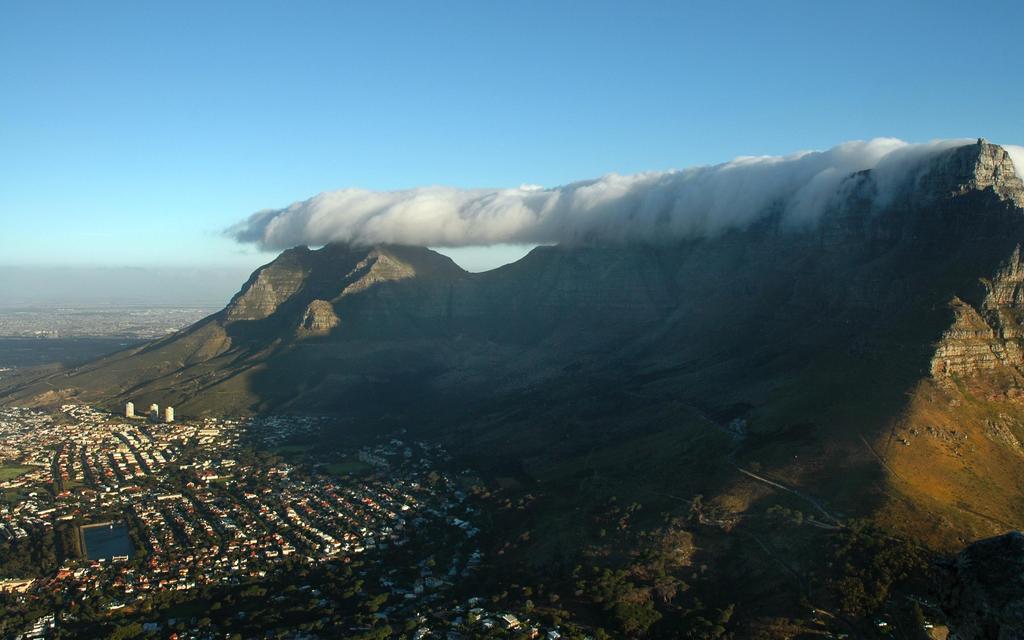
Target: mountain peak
977 168
301 275
984 166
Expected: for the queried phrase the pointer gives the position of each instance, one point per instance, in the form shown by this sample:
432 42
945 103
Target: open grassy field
12 497
11 471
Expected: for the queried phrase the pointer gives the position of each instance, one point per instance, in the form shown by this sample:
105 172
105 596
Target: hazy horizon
204 286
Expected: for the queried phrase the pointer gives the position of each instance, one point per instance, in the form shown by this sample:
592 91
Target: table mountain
883 340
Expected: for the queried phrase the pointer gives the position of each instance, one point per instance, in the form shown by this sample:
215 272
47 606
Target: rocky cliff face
377 267
984 339
993 169
299 287
984 593
318 320
972 168
985 336
269 287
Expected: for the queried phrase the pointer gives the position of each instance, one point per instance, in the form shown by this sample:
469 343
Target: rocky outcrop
284 289
994 169
269 287
972 346
983 340
377 267
980 167
318 320
983 596
1004 300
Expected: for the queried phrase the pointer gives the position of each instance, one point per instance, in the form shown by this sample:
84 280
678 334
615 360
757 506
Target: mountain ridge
605 286
831 342
812 406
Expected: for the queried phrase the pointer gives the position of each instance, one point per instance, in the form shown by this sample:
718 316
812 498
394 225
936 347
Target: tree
636 617
374 604
918 616
123 632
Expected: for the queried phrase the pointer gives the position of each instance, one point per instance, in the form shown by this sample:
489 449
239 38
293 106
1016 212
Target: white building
169 414
129 410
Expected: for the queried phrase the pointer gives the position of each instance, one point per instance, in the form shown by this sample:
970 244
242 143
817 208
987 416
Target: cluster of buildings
154 412
91 322
201 507
476 617
82 462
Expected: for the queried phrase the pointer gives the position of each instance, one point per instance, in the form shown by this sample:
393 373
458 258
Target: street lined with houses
149 507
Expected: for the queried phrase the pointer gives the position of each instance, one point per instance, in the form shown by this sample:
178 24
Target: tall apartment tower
169 414
129 409
154 412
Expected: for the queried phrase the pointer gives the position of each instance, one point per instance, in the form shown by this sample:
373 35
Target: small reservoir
106 540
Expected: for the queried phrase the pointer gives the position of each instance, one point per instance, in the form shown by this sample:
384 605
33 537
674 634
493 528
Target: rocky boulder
984 595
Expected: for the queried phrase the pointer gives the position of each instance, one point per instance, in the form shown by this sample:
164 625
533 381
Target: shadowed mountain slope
883 341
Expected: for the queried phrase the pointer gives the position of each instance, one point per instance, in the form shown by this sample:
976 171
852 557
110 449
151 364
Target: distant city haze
196 286
27 286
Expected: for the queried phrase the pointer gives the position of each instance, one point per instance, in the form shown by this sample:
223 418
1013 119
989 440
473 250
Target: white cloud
645 206
1016 154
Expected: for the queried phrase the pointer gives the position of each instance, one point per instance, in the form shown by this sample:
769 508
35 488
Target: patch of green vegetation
188 609
346 467
11 471
12 496
293 449
873 564
70 485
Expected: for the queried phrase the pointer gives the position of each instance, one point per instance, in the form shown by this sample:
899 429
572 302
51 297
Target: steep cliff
864 264
269 287
983 594
318 319
888 321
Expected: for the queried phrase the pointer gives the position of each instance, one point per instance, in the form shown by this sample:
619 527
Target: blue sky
134 133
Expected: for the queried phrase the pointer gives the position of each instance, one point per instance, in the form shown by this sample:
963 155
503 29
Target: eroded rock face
984 595
269 287
981 340
972 168
973 346
1005 297
319 319
994 169
376 268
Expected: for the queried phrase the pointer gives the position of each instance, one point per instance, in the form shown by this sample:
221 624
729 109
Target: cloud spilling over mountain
1016 153
646 206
